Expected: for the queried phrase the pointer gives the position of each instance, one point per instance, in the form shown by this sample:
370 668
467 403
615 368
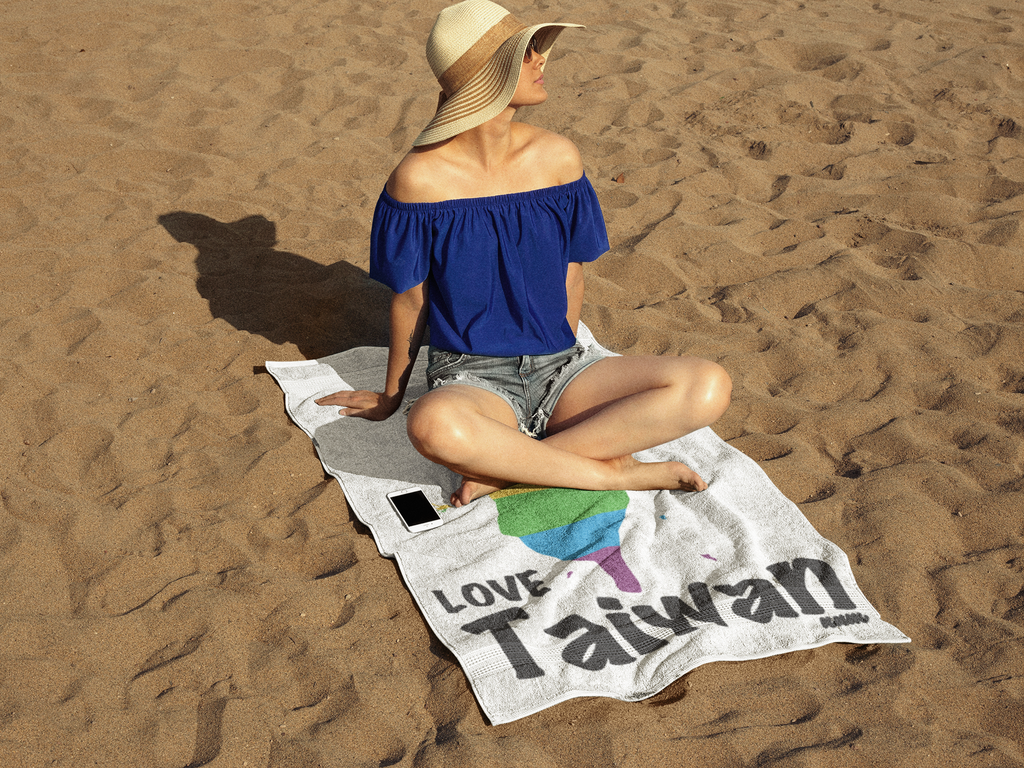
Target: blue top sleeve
495 266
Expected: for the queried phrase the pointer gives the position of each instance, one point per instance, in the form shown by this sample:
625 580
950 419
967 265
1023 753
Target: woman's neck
491 145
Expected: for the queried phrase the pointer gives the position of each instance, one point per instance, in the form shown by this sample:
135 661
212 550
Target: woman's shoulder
417 178
551 151
541 159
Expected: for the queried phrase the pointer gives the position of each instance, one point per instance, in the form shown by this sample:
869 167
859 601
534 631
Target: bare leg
473 432
616 407
622 405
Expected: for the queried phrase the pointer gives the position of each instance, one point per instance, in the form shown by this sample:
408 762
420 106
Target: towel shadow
284 297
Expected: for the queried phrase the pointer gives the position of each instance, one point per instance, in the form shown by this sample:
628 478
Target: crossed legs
613 409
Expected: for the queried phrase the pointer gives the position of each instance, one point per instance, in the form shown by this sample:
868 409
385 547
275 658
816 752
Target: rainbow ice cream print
569 525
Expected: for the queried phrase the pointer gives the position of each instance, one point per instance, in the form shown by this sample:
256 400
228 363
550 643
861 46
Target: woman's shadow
281 296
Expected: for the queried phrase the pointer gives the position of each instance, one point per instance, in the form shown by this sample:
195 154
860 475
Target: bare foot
656 476
473 489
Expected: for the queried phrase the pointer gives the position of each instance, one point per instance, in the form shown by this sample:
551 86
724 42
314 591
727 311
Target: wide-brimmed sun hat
476 50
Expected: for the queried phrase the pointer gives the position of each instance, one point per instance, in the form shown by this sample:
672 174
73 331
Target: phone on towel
415 510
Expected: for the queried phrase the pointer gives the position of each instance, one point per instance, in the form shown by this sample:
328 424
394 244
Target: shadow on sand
281 296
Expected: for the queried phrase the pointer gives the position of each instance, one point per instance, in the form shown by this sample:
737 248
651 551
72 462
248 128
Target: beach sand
823 196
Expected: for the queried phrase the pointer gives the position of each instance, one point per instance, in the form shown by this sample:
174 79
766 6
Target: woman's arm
408 324
574 294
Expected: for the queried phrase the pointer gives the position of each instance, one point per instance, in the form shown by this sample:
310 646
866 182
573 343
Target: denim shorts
530 384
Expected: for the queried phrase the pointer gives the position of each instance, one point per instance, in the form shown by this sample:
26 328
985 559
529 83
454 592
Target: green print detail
523 511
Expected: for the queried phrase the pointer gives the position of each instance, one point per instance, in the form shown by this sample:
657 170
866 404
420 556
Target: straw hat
476 51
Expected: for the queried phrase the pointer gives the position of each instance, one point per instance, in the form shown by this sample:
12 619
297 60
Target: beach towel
545 594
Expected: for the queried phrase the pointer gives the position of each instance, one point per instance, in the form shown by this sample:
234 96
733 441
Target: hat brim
490 90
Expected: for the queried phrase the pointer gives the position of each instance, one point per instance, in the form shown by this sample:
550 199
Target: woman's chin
532 100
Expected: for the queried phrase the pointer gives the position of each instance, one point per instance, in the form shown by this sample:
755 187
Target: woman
481 231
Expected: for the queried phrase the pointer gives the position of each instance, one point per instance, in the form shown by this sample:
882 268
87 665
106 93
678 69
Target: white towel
548 594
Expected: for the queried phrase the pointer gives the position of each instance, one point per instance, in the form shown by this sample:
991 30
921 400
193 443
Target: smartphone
415 510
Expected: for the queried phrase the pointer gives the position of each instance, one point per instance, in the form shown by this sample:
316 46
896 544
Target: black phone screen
415 508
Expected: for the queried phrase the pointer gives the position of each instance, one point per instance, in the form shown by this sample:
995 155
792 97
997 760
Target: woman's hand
408 323
375 406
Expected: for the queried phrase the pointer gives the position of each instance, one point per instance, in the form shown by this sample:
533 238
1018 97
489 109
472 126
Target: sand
823 196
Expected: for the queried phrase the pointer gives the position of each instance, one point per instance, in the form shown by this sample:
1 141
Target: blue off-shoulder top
496 266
